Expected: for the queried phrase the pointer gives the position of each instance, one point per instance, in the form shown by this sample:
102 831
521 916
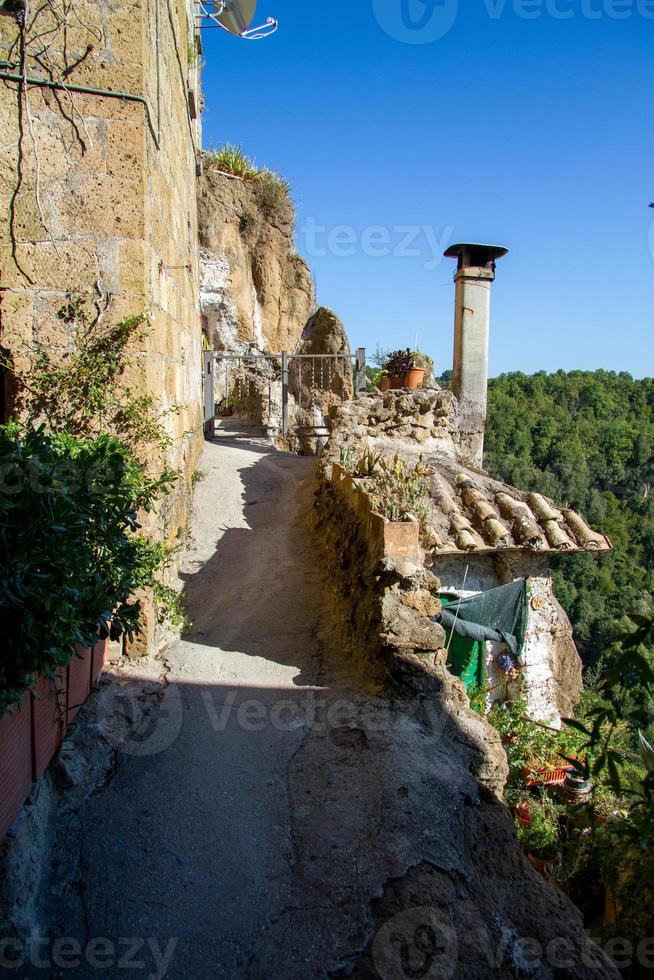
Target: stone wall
551 669
103 195
383 598
421 421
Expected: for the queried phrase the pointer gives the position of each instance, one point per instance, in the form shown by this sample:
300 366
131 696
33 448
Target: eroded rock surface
328 381
256 291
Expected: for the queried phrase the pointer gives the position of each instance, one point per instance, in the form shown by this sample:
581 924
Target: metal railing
297 375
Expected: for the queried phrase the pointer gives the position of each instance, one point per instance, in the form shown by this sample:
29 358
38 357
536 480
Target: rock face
256 291
327 382
565 664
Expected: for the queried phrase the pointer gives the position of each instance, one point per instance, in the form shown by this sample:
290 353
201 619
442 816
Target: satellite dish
237 15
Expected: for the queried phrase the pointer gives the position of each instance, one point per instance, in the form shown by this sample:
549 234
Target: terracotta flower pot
79 682
15 762
414 378
48 719
384 383
396 383
522 814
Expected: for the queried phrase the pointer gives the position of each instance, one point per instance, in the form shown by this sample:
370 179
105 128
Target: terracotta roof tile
472 512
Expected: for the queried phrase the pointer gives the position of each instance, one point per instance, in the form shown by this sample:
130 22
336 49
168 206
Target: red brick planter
15 762
48 720
98 658
30 736
79 681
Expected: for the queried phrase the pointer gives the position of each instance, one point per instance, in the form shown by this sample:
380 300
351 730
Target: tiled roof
472 512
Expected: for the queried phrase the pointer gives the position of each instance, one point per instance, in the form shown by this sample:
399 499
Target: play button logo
416 21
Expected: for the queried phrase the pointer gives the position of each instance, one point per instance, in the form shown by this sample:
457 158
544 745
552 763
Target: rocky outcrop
256 291
328 382
565 663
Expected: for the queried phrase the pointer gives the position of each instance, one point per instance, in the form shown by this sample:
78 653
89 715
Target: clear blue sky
533 133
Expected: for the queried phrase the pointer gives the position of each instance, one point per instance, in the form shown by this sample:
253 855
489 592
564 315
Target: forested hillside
585 439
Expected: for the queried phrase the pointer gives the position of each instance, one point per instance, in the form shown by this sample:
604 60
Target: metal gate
243 381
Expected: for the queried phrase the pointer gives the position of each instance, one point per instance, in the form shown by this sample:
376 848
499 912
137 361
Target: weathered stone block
16 319
423 602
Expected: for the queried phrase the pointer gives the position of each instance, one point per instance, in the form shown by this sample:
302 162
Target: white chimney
473 277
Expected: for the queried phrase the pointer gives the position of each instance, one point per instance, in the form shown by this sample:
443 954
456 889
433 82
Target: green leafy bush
71 556
542 836
86 391
273 196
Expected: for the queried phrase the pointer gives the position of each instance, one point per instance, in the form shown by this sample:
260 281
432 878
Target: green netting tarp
499 614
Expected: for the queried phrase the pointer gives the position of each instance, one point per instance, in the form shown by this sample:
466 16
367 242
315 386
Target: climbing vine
42 42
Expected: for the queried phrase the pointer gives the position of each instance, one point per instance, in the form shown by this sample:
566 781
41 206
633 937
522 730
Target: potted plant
405 368
416 374
540 837
576 788
383 382
396 366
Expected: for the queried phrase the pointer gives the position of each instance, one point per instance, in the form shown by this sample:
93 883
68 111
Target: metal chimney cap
475 254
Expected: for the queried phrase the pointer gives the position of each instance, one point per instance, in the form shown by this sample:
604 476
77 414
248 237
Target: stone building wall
103 193
551 669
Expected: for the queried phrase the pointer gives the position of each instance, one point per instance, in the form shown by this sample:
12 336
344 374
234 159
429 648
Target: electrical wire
458 606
